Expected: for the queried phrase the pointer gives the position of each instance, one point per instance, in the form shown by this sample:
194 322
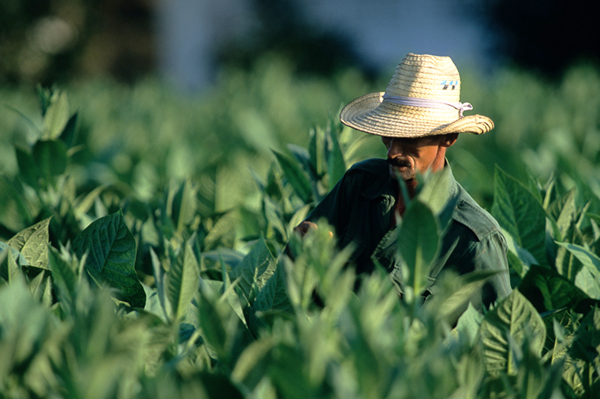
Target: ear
448 140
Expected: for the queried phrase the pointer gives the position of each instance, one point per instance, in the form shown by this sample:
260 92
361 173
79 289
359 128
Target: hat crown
426 76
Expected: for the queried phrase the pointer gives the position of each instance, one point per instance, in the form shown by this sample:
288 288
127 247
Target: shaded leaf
50 157
67 135
253 363
27 166
64 278
111 250
336 166
520 214
211 323
547 290
273 295
295 177
316 150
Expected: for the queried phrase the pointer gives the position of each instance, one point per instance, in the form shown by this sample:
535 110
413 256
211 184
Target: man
418 118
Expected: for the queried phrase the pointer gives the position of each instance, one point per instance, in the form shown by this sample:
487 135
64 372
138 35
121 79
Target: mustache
399 162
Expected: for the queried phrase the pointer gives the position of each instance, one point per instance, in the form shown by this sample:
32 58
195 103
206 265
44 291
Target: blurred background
188 41
169 89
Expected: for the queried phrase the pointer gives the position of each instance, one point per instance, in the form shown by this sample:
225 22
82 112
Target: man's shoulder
469 213
376 166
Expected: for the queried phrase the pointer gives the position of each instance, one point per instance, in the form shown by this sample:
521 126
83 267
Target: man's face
408 157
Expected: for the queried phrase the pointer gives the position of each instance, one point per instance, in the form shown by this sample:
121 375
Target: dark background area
55 41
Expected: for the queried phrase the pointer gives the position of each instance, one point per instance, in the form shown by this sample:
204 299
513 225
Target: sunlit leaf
56 116
11 261
468 324
32 243
182 280
418 243
254 270
588 279
436 183
565 209
512 322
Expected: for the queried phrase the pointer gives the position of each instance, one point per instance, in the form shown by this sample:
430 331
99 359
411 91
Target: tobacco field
143 235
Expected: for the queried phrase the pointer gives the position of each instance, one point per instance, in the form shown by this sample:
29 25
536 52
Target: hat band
428 103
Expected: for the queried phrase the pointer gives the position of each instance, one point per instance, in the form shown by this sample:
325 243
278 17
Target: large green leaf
111 250
418 243
295 177
511 323
254 270
588 278
32 243
273 295
547 290
51 157
520 214
182 280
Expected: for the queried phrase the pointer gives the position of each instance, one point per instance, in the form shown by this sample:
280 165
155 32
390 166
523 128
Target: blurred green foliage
144 233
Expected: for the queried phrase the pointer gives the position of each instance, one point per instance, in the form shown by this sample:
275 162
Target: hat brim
370 114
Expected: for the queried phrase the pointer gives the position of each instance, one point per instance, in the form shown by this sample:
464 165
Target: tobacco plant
107 291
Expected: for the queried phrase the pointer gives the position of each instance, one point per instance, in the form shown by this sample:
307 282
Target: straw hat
422 99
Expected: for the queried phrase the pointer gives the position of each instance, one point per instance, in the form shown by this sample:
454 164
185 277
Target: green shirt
361 209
